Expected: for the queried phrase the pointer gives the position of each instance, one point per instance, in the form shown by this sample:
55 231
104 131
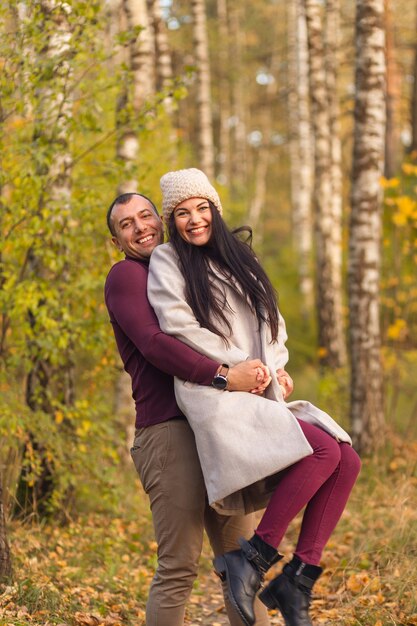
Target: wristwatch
220 378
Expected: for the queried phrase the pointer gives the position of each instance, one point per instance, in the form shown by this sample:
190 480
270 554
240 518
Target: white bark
204 110
163 61
329 282
55 109
393 98
332 45
413 104
301 151
258 202
141 62
365 226
223 159
239 148
141 52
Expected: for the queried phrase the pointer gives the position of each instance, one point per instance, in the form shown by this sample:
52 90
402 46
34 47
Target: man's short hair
125 198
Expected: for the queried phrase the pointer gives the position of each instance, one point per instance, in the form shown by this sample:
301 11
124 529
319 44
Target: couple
225 336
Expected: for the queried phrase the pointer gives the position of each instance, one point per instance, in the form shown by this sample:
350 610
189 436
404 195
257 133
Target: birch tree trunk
164 76
259 197
163 61
263 156
5 557
204 110
239 148
141 64
53 116
332 348
413 147
301 151
393 95
367 411
224 153
332 46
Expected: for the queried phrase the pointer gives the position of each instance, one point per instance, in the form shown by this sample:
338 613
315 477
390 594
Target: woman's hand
285 382
250 375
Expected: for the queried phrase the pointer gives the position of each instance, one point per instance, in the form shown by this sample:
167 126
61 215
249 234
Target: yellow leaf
84 619
375 584
356 582
59 417
409 169
389 183
397 330
405 205
399 219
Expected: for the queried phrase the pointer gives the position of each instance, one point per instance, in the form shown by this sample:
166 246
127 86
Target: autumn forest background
304 115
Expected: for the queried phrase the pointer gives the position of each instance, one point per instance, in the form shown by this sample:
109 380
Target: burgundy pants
322 483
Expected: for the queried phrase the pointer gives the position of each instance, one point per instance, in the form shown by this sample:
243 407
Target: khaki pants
166 460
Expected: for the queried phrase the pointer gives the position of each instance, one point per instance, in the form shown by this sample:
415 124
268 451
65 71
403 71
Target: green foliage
399 296
58 174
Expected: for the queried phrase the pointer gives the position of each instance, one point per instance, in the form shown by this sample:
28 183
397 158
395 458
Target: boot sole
220 568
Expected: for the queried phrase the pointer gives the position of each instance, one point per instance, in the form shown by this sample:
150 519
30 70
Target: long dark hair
235 259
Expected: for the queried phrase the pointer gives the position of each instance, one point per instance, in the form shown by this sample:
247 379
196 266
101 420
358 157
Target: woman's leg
323 482
326 507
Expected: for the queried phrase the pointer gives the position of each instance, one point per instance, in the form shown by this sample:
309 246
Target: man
164 450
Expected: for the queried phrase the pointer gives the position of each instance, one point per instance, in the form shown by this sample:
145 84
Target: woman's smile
193 221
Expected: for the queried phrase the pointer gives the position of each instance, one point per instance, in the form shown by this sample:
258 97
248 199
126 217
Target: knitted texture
184 184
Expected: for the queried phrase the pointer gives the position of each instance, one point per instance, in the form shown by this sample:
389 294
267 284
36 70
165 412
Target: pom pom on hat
184 184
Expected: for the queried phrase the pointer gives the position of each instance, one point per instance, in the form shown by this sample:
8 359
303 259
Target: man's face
138 228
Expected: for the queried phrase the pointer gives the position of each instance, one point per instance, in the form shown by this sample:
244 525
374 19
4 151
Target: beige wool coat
243 440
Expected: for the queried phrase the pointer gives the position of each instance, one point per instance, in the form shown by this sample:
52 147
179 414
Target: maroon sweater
149 356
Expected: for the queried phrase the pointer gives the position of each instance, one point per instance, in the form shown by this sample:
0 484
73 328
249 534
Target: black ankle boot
243 570
290 592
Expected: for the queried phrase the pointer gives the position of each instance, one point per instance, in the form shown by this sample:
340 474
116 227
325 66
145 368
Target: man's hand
251 376
285 382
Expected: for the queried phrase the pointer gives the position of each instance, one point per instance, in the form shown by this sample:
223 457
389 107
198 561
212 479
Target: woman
209 290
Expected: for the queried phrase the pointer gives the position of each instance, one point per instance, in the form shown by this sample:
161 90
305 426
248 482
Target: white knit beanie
184 184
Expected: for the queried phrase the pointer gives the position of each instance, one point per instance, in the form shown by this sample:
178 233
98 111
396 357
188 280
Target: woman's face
193 220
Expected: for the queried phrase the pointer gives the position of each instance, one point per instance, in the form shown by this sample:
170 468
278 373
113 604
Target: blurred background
304 116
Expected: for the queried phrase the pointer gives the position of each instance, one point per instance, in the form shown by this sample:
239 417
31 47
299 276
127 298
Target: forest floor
96 569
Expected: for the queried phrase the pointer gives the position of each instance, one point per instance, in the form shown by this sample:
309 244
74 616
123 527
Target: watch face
219 382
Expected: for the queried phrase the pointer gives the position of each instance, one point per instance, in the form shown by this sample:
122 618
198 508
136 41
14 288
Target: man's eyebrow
130 217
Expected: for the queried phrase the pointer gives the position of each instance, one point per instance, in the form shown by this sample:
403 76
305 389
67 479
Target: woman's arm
166 295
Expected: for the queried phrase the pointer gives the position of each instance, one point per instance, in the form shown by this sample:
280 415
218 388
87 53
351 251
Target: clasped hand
254 376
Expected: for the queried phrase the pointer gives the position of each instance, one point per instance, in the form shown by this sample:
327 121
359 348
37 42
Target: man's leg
224 532
166 459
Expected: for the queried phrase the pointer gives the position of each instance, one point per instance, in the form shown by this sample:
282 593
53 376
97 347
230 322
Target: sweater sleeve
129 308
166 294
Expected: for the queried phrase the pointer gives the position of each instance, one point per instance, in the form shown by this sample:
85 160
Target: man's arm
128 305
